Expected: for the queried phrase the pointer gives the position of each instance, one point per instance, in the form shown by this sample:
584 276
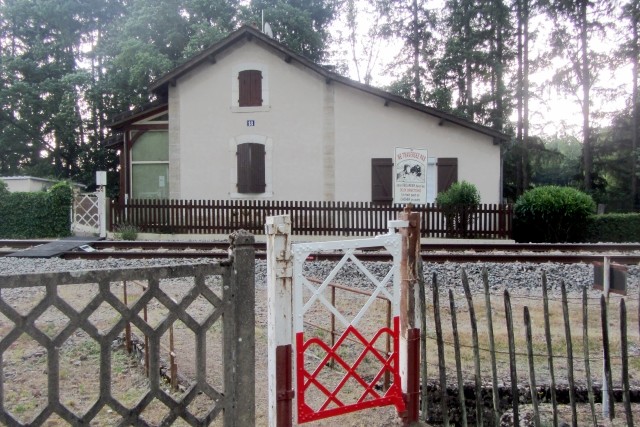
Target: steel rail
431 252
449 246
372 256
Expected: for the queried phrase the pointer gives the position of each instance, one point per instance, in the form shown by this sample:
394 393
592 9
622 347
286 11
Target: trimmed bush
459 204
36 215
615 227
552 214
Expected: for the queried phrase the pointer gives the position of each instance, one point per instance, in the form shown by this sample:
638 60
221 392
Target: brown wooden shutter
250 88
251 168
382 180
447 172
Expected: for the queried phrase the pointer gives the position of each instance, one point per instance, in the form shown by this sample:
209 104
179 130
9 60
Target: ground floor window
251 167
150 165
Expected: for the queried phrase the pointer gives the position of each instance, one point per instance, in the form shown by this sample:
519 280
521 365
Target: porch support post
409 345
280 320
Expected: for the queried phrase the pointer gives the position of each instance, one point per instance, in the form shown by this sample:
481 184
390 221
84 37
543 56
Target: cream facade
320 132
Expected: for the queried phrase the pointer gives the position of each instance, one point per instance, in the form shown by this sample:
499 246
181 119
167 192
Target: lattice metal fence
64 360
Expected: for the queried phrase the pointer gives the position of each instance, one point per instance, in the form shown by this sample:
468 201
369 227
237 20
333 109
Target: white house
247 118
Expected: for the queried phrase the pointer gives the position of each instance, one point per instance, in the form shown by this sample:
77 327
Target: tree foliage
67 67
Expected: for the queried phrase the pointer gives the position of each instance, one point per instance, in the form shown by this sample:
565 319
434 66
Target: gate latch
286 395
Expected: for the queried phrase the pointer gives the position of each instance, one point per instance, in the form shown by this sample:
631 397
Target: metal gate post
279 282
409 344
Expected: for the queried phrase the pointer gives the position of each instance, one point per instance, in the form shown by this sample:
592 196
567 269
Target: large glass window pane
150 181
152 146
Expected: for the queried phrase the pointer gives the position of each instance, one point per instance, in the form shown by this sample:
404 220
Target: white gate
347 352
88 214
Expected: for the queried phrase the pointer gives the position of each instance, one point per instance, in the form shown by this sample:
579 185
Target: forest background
68 67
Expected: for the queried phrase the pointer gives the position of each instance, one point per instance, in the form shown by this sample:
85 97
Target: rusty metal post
284 386
146 347
409 357
172 361
127 326
387 374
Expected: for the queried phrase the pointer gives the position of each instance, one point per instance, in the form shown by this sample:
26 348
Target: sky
552 113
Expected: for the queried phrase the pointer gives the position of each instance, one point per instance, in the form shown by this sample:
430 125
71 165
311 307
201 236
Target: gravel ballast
516 277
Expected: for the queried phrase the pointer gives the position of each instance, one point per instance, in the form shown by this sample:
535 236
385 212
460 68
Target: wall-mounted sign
251 123
410 176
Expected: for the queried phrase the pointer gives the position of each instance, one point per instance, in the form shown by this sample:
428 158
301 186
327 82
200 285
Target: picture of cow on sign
409 172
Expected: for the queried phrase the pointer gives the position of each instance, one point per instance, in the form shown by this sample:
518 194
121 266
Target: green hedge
36 215
552 214
615 227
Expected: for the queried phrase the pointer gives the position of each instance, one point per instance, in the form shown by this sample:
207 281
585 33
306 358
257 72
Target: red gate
369 397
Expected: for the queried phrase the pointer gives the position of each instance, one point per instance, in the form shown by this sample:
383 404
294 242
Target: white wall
26 184
367 129
319 132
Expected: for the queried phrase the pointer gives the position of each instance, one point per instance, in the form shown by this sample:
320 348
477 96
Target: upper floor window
250 88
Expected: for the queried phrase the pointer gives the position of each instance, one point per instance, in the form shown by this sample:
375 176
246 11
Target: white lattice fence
86 213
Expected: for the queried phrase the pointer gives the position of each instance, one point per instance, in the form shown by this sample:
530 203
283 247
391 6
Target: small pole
387 374
172 361
101 183
605 293
333 324
127 326
146 347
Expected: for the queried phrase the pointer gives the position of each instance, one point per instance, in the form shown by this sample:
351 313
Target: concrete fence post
243 333
280 321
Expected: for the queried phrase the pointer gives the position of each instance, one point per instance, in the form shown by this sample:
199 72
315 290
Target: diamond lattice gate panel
100 347
86 213
347 329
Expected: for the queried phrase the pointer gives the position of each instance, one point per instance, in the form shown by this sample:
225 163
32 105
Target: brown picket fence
488 221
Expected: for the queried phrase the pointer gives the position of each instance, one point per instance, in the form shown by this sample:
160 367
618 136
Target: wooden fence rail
489 221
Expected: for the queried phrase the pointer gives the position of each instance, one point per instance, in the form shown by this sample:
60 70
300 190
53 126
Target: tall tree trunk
634 100
498 122
416 52
468 61
520 165
525 95
586 86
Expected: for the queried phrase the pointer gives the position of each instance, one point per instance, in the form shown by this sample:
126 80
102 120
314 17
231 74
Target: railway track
431 252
